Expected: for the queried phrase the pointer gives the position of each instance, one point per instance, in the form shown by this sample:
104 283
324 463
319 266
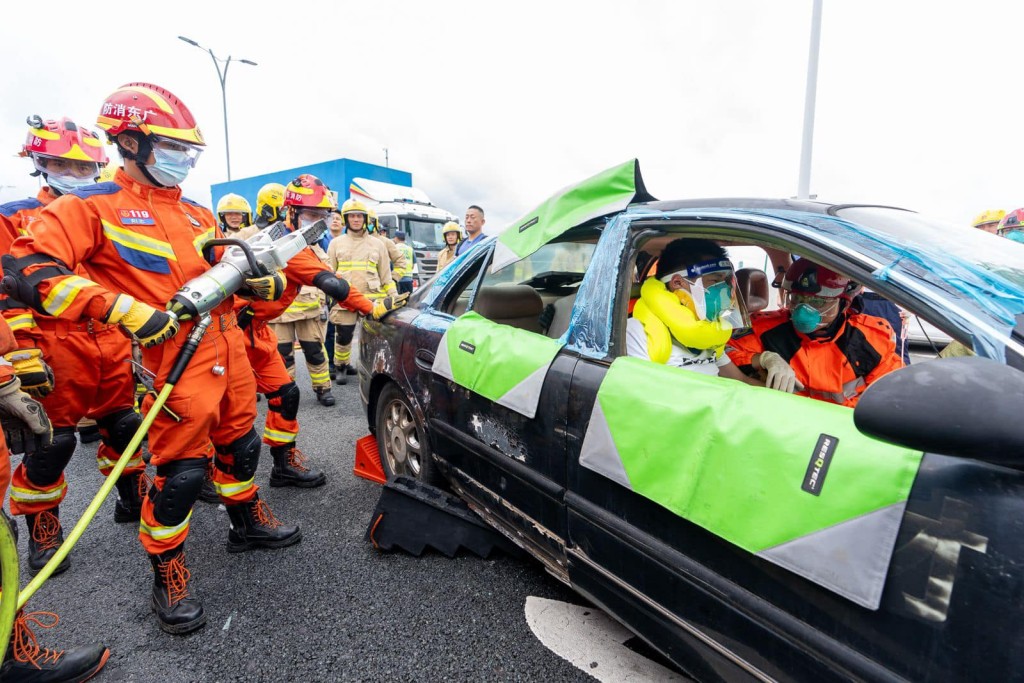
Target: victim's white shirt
704 362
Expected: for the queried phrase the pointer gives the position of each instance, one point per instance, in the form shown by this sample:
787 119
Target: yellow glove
268 287
381 307
145 323
35 375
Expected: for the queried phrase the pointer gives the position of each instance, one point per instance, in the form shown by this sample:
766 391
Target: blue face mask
805 318
170 168
717 298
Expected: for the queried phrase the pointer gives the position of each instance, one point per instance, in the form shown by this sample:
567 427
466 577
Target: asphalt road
330 608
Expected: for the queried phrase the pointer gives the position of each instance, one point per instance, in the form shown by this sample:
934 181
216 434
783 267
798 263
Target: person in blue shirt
474 229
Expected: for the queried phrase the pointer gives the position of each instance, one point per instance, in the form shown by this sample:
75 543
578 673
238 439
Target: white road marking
591 641
227 624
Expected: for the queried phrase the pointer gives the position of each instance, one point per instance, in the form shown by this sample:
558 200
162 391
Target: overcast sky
501 104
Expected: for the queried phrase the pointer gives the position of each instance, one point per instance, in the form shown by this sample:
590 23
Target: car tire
402 442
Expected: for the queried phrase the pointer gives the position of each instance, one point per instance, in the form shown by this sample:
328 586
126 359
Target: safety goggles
70 168
314 215
176 150
822 304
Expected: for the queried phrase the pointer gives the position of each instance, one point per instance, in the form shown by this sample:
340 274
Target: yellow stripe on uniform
22 321
64 292
31 495
275 435
107 463
162 533
200 241
229 490
320 377
138 242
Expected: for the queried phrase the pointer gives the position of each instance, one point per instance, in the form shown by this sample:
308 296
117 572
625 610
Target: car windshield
989 252
423 234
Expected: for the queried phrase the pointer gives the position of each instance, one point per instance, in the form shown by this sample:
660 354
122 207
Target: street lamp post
223 77
810 99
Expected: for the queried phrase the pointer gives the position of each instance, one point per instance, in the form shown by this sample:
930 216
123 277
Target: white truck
410 210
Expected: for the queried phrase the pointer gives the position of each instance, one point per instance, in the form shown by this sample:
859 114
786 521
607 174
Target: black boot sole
270 545
177 629
302 484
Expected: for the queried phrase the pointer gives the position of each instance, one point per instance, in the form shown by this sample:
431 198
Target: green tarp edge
733 461
607 192
493 359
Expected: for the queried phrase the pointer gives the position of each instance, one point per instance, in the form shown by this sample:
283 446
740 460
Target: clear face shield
713 292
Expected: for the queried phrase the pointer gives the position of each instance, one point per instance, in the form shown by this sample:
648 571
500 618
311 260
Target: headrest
510 301
754 288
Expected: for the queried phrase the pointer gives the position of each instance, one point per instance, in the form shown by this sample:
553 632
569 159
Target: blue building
337 174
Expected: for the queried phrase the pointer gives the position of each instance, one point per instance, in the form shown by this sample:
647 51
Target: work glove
780 375
267 287
142 321
35 375
18 410
381 307
245 316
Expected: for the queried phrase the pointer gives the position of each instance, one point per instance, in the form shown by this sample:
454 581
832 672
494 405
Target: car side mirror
968 407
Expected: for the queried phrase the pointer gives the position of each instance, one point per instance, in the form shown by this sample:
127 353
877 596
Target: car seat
753 287
516 305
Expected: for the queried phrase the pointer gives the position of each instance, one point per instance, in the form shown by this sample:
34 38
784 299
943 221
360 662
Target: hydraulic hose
180 363
9 574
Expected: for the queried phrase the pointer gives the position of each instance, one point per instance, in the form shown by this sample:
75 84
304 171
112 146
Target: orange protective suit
836 369
93 378
281 427
147 241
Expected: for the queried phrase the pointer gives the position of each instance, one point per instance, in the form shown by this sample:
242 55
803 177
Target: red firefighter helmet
806 277
308 191
64 139
150 110
1014 219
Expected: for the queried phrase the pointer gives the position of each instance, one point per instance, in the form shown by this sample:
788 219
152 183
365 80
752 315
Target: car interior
538 293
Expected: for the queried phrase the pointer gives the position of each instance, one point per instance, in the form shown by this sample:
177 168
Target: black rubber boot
44 538
176 610
131 489
253 525
27 662
208 494
324 396
343 373
350 369
290 469
332 371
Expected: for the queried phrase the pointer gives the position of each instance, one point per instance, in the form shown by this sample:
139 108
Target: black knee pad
290 396
313 351
246 455
44 467
120 427
287 353
345 334
184 479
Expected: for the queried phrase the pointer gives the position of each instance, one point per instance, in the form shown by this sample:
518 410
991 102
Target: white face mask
170 167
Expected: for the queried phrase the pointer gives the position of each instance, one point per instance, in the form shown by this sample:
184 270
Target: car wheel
402 441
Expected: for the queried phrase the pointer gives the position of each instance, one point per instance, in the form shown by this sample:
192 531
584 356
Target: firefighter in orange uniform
139 235
25 660
816 344
88 357
307 200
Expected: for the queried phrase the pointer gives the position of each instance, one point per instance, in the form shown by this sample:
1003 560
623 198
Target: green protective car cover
787 478
608 192
499 362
